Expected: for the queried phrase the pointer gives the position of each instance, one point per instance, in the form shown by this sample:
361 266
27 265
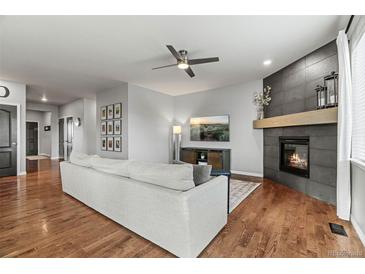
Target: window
358 100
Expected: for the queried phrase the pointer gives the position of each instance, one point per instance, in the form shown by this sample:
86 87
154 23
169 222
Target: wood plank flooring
38 220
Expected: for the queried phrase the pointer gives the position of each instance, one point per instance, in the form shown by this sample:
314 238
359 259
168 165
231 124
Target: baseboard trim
358 230
44 154
247 173
22 173
55 158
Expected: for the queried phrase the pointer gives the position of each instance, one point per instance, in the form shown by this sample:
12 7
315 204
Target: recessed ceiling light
44 99
267 62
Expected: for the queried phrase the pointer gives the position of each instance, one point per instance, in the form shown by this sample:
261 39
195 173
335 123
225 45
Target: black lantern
331 84
321 96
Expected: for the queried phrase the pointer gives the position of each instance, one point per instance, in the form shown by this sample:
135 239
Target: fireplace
294 155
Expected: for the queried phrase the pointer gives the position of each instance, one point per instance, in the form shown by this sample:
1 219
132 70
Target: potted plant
262 99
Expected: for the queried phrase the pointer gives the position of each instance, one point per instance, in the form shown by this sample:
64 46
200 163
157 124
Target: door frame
65 134
18 133
37 136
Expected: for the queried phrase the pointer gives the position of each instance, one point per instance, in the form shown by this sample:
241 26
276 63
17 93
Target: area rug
239 190
37 157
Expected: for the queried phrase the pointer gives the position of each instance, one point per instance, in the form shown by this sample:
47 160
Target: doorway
61 138
8 140
32 138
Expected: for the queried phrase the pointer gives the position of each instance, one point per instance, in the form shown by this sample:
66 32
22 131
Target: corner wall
246 143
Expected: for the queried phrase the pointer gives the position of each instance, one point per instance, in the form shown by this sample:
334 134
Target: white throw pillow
112 166
81 159
177 177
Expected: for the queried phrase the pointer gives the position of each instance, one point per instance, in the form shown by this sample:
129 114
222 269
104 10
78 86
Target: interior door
61 138
32 138
8 139
69 135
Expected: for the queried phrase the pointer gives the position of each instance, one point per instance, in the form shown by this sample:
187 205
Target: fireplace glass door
294 155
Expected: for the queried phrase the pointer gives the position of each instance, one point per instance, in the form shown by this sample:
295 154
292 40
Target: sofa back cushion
112 166
177 177
81 159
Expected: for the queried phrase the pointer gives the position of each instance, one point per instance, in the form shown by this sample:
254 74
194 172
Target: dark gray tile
322 192
294 131
322 68
323 175
277 99
311 85
272 111
324 142
294 107
273 131
271 151
270 174
271 162
293 181
295 79
294 67
311 103
323 157
322 130
321 53
271 141
294 94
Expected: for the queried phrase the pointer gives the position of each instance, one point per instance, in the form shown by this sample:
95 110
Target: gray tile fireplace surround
292 92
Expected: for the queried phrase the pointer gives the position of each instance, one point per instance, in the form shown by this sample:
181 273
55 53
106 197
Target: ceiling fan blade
203 60
190 72
174 52
173 65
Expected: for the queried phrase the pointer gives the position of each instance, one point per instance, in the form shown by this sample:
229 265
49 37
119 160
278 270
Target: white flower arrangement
262 98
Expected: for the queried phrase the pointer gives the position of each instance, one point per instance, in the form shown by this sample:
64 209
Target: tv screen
211 128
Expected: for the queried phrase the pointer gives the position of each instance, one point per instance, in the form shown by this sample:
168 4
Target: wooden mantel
315 117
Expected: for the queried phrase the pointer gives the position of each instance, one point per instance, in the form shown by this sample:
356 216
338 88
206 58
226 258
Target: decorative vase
260 112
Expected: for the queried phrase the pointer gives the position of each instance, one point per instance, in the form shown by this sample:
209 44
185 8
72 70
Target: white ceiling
68 57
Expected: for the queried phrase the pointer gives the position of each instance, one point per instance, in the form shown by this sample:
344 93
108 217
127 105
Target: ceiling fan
183 62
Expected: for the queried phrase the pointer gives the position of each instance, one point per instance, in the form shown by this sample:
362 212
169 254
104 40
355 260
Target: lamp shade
176 129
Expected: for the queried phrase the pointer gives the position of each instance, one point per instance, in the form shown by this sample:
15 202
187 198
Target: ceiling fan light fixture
183 65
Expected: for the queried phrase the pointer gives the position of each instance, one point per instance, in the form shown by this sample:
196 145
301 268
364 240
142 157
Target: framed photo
110 143
117 144
117 110
117 127
103 143
109 129
110 110
103 128
103 113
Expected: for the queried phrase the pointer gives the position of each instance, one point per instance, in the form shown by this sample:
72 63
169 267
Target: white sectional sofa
157 201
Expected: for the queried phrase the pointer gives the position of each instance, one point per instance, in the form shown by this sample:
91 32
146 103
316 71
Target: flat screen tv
210 128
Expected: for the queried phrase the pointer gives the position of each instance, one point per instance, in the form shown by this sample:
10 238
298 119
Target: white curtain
344 128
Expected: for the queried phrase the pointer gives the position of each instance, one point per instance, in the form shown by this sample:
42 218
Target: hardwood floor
38 220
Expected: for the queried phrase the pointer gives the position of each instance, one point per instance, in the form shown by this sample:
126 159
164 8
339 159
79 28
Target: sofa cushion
81 159
201 174
112 166
177 177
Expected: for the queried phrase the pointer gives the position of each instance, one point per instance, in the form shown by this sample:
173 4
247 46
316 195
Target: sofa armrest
207 207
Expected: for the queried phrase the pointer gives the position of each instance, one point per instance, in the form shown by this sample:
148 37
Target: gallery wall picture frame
117 110
103 113
103 143
117 144
103 128
110 128
110 143
110 111
117 127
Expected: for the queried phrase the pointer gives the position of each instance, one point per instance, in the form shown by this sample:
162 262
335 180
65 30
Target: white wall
107 97
90 125
150 116
18 97
44 118
246 143
53 117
